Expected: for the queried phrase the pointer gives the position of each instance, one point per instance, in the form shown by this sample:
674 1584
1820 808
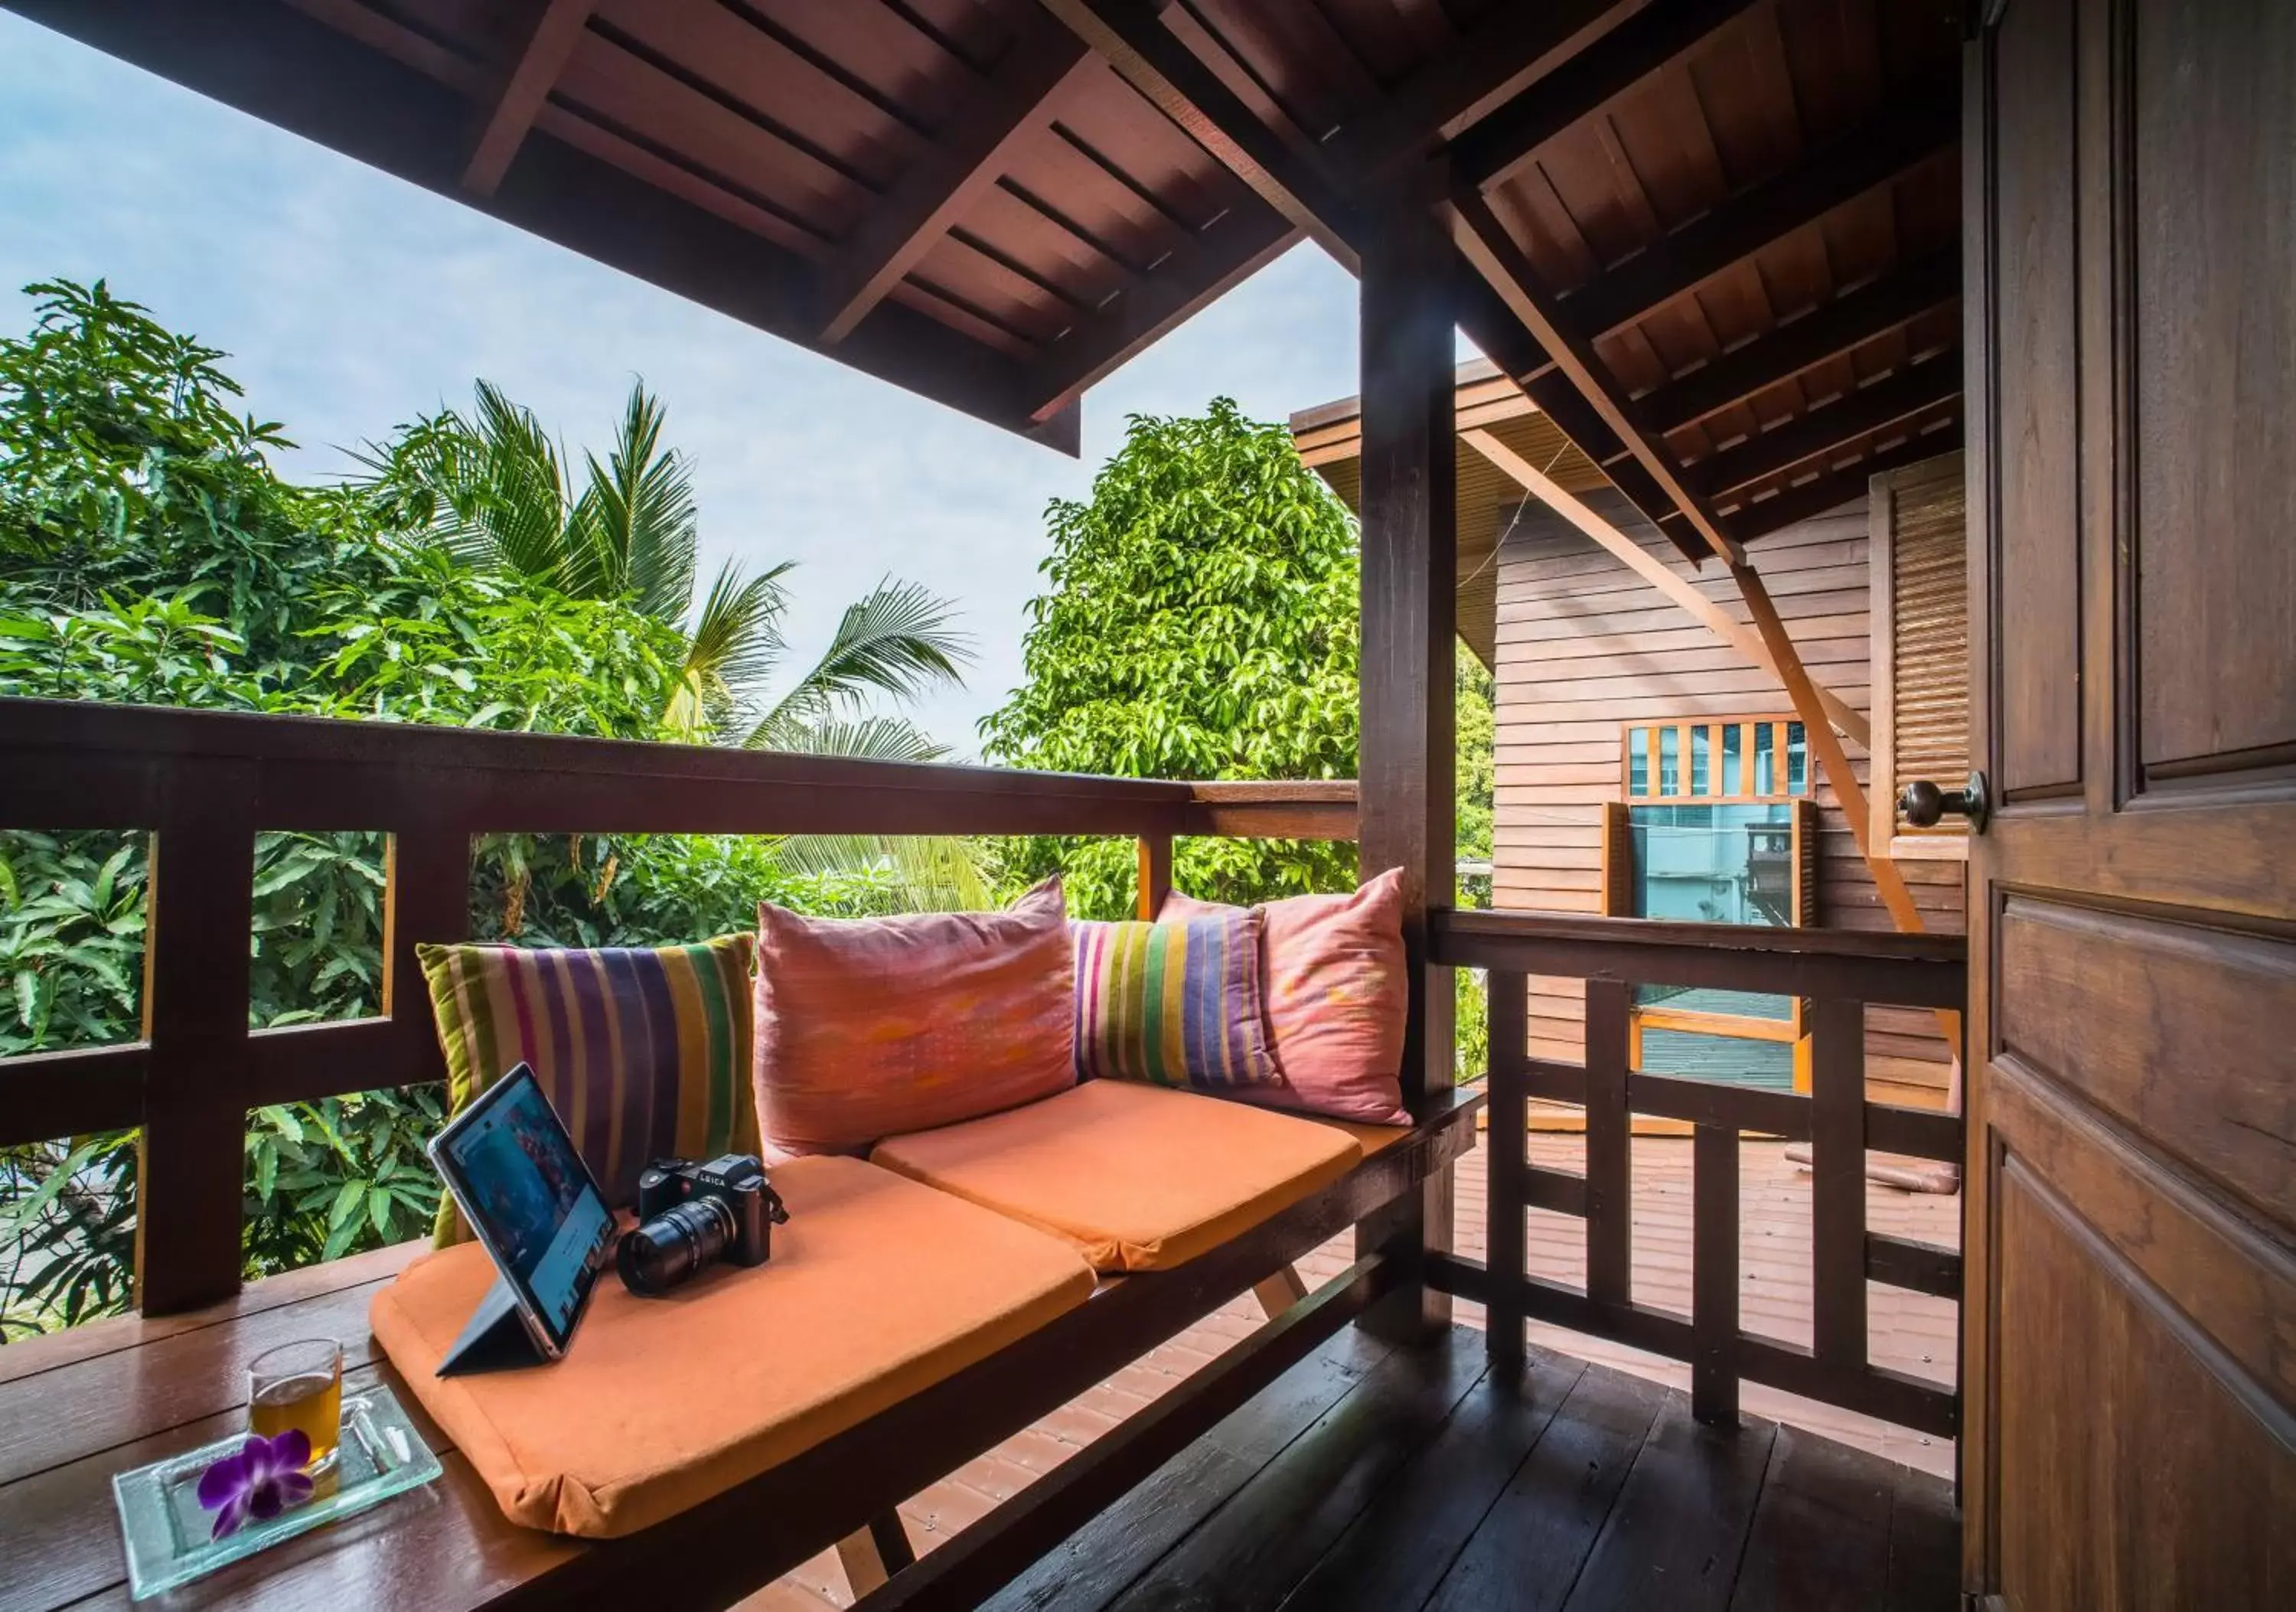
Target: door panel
2214 222
2132 1342
2037 542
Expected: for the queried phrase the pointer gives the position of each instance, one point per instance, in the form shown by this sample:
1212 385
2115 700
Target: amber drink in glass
299 1385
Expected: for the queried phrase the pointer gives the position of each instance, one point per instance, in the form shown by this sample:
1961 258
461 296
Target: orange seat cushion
877 1288
1139 1178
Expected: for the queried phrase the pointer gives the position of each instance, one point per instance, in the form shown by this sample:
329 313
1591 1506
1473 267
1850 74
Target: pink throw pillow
875 1027
1335 989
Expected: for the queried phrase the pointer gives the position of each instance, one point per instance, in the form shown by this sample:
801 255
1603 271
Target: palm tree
493 488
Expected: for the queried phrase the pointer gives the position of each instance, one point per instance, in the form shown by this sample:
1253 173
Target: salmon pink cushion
1335 989
869 1027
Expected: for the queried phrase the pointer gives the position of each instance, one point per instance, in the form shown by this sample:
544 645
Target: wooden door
2131 1358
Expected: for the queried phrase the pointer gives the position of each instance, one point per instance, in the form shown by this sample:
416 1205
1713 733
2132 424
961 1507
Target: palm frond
637 514
729 653
520 486
896 639
934 874
873 738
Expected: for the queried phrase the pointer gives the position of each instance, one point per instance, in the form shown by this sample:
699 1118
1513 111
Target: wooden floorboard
1252 1552
1821 1536
1099 1561
1677 1532
1398 1549
1526 1553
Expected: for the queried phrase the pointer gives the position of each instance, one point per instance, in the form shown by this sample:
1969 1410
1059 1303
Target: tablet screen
529 1197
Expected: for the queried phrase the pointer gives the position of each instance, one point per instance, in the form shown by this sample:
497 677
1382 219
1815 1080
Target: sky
351 300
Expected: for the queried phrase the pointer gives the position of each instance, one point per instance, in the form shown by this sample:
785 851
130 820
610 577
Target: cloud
351 300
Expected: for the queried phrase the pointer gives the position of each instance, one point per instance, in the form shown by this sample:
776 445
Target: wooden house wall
1585 646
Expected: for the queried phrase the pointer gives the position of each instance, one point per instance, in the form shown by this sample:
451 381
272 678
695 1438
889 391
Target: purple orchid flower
262 1479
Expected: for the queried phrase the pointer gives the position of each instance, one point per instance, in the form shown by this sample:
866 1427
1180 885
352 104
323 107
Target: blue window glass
1698 741
1765 770
1638 760
1797 760
1734 765
1669 765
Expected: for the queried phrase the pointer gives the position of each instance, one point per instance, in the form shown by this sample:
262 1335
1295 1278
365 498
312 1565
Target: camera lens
658 1255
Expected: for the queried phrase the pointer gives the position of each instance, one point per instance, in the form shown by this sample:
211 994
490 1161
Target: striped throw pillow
1172 1004
645 1054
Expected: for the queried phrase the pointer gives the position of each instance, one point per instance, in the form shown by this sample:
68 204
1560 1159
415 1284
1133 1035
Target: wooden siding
1585 646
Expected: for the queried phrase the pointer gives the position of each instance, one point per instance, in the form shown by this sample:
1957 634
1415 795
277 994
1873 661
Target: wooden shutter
1617 891
1919 560
1805 863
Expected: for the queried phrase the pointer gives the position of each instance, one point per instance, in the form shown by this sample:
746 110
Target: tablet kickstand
494 1339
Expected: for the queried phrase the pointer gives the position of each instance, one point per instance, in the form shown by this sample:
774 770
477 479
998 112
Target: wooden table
78 1407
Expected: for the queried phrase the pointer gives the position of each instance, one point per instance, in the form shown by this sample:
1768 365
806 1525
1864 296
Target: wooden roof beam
962 161
1837 487
1824 332
557 30
1828 427
1513 45
1503 144
1733 231
1502 264
1131 38
1657 573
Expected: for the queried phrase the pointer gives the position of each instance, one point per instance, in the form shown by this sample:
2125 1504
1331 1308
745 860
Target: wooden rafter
1826 331
1130 37
1498 146
1495 255
1741 227
1822 493
1484 69
962 159
1647 566
1829 426
557 30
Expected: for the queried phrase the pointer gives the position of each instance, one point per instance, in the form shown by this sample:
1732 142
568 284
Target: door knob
1926 805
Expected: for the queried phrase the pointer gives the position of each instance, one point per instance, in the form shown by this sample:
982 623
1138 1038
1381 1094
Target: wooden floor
1910 1332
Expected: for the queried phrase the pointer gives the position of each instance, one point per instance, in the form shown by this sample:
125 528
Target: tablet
511 1167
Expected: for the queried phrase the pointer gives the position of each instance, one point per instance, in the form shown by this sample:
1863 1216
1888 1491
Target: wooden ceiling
1715 241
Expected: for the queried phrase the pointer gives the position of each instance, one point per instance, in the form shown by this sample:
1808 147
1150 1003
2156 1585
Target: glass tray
166 1529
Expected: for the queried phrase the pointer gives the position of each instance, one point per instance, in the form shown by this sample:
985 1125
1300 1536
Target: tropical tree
1201 623
492 487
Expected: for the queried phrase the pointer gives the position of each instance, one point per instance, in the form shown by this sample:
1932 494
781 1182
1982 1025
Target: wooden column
1406 769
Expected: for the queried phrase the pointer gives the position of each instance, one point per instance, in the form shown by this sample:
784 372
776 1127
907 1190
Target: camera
691 1215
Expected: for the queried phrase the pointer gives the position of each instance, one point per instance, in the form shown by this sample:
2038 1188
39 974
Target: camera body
693 1215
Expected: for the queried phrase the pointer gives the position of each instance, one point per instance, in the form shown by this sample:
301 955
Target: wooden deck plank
1677 1531
1527 1552
1099 1561
1251 1552
1821 1535
1399 1549
1924 1545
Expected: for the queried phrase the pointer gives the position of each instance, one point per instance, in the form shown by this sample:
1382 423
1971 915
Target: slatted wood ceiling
1584 646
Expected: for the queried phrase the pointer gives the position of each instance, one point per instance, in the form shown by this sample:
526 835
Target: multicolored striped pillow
645 1054
1172 1004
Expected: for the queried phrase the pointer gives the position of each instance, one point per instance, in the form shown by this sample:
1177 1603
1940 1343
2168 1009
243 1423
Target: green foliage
1200 624
150 554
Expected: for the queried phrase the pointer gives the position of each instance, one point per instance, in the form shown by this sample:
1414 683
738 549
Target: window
1918 551
1717 828
1741 758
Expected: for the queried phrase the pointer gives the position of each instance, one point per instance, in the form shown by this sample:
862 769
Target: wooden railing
1838 973
205 783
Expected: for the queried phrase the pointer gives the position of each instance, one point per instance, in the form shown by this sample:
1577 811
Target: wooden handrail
204 783
1840 973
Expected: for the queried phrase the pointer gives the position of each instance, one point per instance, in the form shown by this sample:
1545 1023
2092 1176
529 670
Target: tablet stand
494 1339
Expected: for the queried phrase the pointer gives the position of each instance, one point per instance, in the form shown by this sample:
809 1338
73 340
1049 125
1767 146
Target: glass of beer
299 1385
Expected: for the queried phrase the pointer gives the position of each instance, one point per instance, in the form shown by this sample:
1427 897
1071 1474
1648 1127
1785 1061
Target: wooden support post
1837 1197
1609 1156
1508 1186
1279 1291
194 1136
1654 571
1407 782
1714 1275
1155 874
557 30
